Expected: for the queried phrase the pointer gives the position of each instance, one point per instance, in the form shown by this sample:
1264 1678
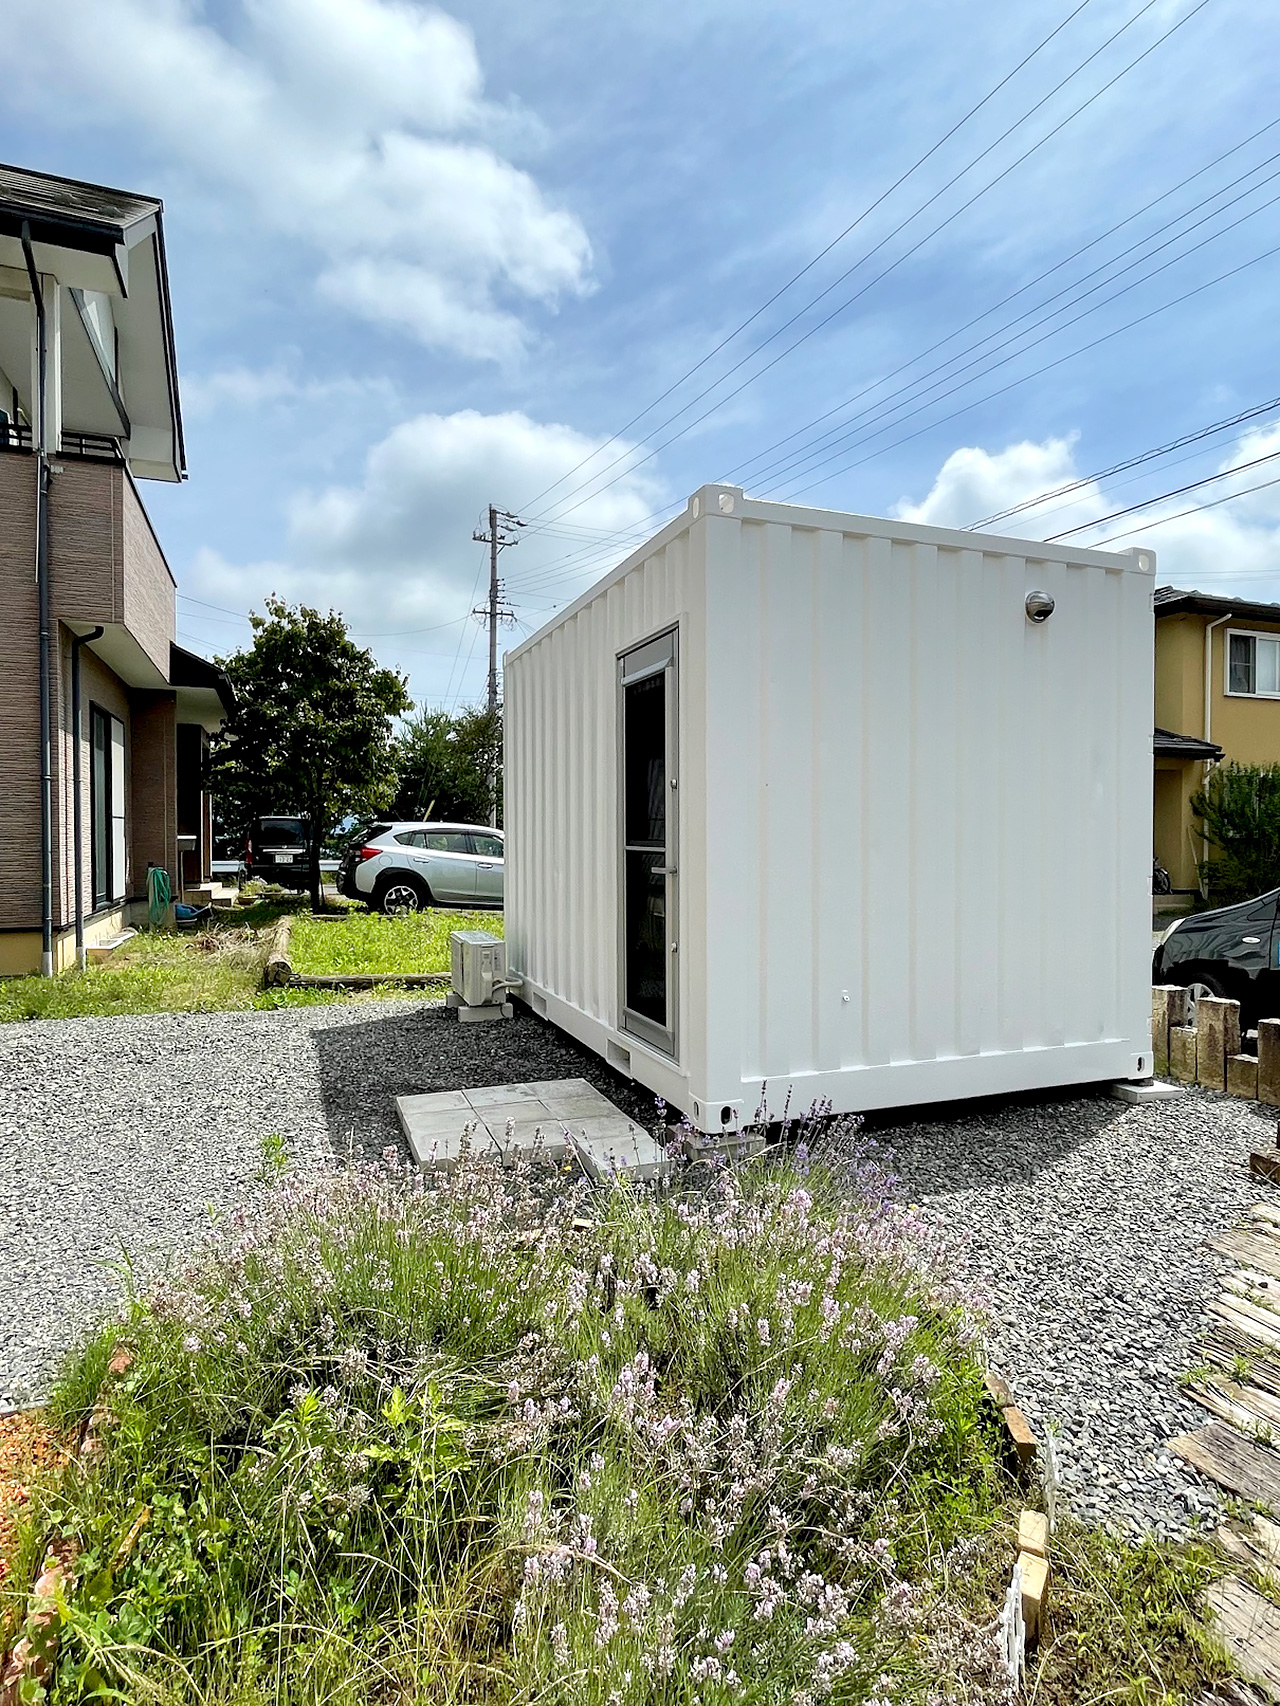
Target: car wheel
1202 984
399 895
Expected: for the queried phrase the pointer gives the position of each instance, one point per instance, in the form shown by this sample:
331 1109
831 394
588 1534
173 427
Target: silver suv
402 867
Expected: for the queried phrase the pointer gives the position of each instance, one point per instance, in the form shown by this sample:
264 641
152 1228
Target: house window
106 805
1253 665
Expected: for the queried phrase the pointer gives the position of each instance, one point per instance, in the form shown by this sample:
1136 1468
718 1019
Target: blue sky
425 258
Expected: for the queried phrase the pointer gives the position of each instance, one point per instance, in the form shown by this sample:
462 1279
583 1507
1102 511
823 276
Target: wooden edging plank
370 980
1225 1456
1249 1627
1259 1326
1253 1404
1252 1248
1224 1348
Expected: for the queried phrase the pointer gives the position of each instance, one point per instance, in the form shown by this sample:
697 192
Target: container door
647 689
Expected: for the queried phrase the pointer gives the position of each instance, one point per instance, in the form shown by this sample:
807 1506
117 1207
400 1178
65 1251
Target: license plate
284 858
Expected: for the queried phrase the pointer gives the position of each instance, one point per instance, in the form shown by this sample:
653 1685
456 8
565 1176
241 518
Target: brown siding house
75 540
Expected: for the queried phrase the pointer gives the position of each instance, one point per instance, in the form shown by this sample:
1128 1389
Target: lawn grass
216 969
495 1439
369 942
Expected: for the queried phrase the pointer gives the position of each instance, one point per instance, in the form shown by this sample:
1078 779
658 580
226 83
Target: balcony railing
80 446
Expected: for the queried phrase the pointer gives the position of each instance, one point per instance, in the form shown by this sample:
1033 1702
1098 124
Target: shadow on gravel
957 1146
364 1067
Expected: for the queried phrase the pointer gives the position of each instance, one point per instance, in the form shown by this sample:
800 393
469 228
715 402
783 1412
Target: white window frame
1249 634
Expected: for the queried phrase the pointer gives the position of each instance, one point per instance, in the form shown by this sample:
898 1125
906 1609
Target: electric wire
821 255
853 435
1195 509
827 319
1162 497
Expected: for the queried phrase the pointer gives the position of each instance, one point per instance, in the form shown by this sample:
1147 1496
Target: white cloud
1231 547
255 389
356 127
394 551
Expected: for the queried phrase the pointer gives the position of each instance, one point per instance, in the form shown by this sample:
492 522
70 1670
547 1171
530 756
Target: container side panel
562 812
939 815
786 819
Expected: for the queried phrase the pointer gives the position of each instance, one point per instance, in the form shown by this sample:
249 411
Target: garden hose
159 894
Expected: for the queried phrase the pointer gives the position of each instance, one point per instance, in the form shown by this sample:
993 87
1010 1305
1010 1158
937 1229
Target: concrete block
1269 1062
1218 1035
626 1149
486 1015
1033 1533
1242 1076
1145 1090
1035 1590
1182 1053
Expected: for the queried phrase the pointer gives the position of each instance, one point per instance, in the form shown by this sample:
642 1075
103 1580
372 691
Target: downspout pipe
77 809
1208 717
42 596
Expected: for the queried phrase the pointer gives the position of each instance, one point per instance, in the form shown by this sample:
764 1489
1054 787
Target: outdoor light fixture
1039 606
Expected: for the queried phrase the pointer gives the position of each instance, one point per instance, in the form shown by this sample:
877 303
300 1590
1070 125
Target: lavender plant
493 1438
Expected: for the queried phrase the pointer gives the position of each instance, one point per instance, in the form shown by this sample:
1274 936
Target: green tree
312 731
450 764
1239 812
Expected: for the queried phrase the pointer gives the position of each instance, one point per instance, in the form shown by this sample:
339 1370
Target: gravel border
1085 1223
126 1133
1082 1220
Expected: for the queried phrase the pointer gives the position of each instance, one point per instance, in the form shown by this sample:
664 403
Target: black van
276 852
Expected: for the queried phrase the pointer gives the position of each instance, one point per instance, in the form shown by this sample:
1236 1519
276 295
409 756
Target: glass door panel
647 684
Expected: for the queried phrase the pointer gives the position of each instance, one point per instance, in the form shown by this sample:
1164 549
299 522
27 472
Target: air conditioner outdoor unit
479 974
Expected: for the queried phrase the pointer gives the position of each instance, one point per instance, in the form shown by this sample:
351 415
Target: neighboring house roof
1170 601
68 213
105 247
200 677
1170 745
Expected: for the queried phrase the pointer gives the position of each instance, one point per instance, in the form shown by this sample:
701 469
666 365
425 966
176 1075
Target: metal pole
493 608
77 810
42 597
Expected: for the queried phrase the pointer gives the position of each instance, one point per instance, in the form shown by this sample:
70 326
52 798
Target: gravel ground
125 1133
1083 1224
1082 1221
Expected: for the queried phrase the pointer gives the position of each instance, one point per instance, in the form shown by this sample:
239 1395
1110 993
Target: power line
853 435
1196 509
1163 497
1048 367
751 378
1123 467
821 255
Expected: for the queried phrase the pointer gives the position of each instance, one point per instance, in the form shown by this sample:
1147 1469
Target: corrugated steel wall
929 820
560 800
915 827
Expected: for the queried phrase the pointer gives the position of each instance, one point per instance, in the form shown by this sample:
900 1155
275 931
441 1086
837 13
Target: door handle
664 870
485 865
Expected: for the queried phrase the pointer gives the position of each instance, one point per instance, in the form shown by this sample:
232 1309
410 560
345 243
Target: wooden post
1218 1035
1182 1053
1269 1061
1242 1076
1169 1006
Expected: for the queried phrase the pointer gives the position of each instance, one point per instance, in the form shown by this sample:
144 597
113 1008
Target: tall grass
484 1439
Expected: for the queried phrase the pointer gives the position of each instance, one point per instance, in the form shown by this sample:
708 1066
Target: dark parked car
1232 951
276 852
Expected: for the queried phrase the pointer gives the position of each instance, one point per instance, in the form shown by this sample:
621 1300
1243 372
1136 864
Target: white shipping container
810 800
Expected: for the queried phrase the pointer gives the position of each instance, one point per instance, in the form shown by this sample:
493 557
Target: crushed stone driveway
1082 1222
1083 1226
125 1134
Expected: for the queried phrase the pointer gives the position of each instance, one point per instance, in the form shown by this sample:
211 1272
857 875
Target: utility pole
496 610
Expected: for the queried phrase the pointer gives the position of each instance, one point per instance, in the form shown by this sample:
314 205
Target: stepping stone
567 1115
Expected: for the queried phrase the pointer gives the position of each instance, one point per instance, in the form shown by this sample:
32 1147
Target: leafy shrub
402 1440
1239 811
